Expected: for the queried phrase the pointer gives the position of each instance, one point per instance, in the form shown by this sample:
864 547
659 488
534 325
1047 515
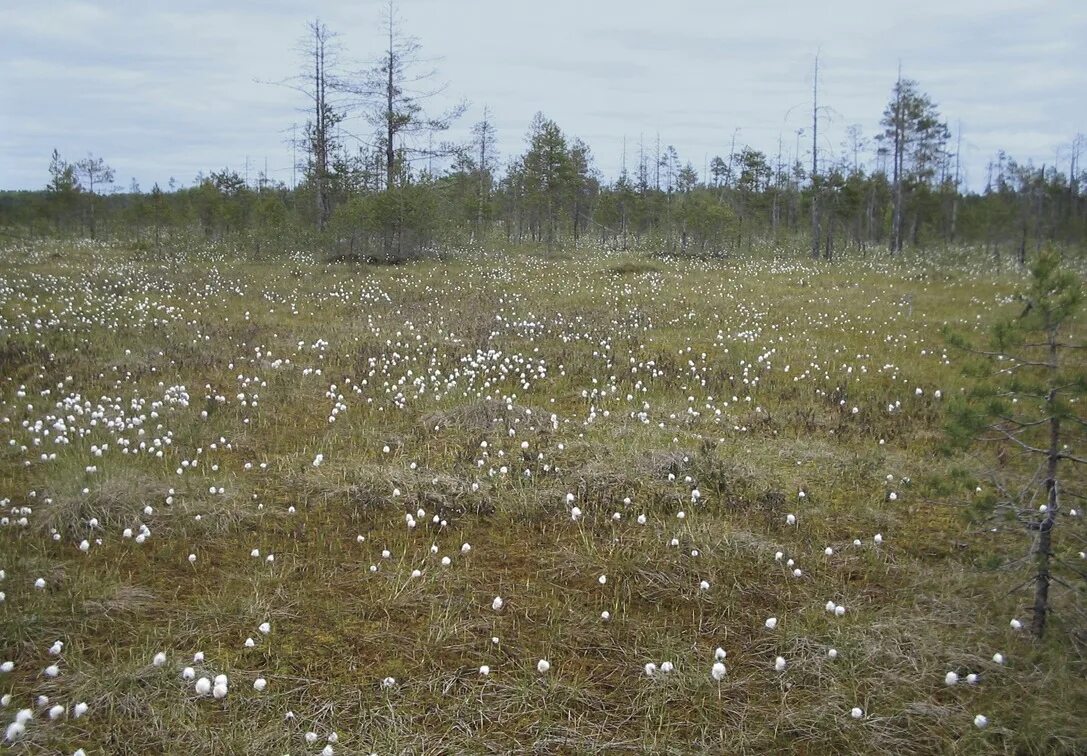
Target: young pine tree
1028 401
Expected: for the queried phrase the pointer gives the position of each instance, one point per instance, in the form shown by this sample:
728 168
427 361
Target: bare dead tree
392 94
319 83
815 161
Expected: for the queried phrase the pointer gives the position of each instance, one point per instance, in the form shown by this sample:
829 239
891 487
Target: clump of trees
396 188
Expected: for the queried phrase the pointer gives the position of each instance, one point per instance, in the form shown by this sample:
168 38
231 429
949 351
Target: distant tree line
401 190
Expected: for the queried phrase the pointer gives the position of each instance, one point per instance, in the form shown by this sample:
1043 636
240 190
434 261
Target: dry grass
925 602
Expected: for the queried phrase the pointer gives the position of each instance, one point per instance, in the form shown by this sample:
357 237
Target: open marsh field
462 507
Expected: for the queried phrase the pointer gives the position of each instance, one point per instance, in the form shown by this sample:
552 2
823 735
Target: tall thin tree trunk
815 162
1043 547
899 129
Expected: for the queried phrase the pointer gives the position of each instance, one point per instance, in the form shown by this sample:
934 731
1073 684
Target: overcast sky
167 89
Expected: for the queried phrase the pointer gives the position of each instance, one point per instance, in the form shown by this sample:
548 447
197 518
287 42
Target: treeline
398 193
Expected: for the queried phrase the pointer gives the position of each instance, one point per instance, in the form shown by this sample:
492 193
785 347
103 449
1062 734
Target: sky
170 89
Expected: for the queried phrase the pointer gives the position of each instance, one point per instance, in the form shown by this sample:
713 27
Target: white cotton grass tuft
56 712
771 623
1016 625
80 709
484 670
650 669
203 686
260 684
779 664
543 666
188 674
159 660
265 627
981 721
718 671
667 667
856 712
951 679
498 603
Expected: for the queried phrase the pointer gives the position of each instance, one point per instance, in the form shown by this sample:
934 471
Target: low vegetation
583 502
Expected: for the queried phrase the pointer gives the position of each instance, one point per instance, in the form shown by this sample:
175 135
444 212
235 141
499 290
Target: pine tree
1032 381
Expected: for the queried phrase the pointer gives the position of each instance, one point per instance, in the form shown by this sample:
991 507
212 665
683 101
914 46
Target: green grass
450 354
